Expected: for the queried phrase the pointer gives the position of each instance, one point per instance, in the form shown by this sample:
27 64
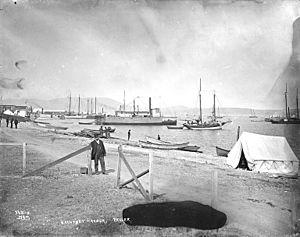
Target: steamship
122 117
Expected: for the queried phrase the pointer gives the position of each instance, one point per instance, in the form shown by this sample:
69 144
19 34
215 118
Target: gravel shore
61 201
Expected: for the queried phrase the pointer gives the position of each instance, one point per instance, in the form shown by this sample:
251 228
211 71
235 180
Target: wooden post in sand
24 158
89 162
214 189
119 166
150 176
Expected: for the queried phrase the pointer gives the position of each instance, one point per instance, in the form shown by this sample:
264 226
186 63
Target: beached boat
166 146
174 127
221 151
191 149
212 124
49 126
85 123
40 122
156 141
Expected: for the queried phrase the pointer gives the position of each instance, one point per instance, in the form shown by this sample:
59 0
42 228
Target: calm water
206 139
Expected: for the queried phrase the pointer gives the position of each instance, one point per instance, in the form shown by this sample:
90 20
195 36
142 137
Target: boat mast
95 105
214 108
70 104
297 106
286 106
200 107
124 103
91 105
87 106
79 105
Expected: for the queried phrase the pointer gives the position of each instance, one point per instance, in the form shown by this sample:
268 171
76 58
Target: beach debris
91 133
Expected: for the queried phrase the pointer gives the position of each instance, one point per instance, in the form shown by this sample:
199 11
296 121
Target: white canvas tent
270 154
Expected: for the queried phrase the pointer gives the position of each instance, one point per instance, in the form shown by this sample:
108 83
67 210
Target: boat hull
174 127
115 120
283 121
163 146
202 127
221 152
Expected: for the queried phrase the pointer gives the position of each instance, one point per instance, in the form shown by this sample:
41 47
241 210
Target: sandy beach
61 201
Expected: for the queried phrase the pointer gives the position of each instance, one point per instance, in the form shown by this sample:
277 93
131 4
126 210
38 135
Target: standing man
97 153
16 123
129 134
7 121
11 122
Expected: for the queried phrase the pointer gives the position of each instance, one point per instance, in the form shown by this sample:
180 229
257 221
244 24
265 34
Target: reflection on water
208 139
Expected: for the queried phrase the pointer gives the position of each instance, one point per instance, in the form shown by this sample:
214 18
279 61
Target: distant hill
109 106
183 112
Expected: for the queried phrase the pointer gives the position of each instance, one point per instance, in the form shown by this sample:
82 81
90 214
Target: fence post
214 189
150 176
119 166
24 158
89 162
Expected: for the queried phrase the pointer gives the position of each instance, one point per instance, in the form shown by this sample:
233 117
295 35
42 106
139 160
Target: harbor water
206 139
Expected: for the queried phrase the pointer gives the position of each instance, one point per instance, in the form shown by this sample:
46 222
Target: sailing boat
289 119
252 115
207 125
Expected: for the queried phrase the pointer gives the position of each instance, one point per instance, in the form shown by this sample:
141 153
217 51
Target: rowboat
156 141
221 152
166 146
49 126
174 127
191 149
85 123
40 122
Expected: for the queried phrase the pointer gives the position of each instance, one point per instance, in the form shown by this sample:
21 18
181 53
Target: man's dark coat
97 149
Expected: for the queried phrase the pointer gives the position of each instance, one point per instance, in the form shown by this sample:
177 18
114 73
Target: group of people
12 121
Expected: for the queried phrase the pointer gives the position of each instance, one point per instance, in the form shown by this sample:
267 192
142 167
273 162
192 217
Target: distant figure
129 134
16 123
158 137
101 131
11 123
97 153
7 122
0 119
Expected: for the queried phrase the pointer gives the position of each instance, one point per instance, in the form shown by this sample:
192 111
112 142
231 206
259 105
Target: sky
238 48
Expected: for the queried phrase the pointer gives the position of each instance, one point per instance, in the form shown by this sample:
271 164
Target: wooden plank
75 153
214 189
24 159
133 174
131 180
151 176
119 168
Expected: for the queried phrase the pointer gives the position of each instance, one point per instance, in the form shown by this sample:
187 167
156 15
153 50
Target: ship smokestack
150 109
